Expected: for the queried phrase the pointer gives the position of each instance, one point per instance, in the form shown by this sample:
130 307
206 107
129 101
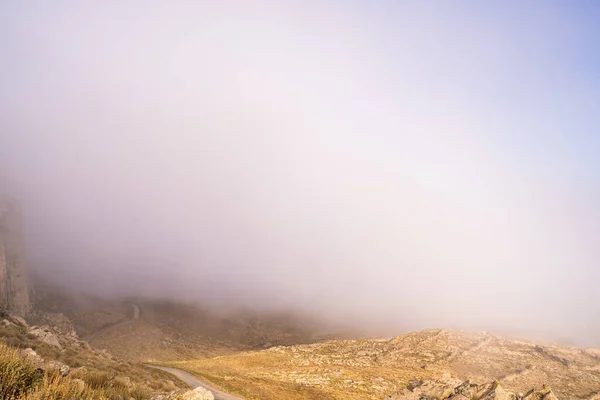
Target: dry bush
140 393
98 380
55 387
17 375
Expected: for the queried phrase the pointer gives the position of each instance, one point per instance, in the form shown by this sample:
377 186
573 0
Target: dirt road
188 378
136 315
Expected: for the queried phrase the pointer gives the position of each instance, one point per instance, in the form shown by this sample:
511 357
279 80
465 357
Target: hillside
175 331
374 369
169 330
52 352
279 356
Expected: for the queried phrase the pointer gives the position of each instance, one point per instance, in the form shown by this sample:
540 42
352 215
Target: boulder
440 388
494 391
198 394
45 334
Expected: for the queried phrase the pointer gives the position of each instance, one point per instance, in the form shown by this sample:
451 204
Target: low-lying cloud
396 166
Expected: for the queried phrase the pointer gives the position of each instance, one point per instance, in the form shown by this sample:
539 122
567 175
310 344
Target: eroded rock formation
446 388
14 284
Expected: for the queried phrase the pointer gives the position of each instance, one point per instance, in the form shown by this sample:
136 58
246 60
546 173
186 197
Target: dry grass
19 379
104 377
17 375
373 369
288 374
55 387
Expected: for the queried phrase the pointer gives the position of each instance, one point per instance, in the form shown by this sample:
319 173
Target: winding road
191 380
136 315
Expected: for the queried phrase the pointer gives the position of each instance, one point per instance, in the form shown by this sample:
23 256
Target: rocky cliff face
14 285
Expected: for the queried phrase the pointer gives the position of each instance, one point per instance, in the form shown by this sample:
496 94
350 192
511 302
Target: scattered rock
44 334
6 322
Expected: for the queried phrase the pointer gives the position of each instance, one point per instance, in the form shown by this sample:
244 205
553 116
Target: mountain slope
373 369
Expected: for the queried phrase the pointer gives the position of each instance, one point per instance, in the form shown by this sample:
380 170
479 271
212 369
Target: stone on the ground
198 394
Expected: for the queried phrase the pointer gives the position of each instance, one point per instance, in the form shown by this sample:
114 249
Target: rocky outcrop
14 284
63 325
446 388
45 334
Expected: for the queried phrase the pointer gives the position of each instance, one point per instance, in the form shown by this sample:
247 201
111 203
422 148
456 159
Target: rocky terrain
446 387
262 357
75 369
427 365
374 369
55 344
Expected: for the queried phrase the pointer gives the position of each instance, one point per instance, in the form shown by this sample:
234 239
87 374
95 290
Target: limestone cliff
14 285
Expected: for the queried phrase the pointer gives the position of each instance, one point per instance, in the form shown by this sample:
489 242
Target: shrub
55 387
17 375
98 380
20 379
140 393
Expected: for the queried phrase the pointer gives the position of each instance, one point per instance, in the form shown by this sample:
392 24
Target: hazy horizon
402 166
